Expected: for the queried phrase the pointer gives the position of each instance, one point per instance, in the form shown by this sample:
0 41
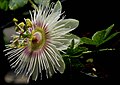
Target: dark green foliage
73 51
15 4
4 4
82 57
100 37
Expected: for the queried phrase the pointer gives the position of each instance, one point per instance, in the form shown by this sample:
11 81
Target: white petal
52 18
35 70
59 63
57 7
64 41
70 37
64 26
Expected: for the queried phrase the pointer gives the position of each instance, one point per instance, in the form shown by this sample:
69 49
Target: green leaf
4 4
80 50
38 1
72 44
76 40
71 36
98 37
71 47
43 2
110 37
108 30
15 4
87 41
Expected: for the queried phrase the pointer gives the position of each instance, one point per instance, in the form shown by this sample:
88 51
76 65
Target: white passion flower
38 41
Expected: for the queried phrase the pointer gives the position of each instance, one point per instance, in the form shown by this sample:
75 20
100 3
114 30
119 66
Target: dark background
93 16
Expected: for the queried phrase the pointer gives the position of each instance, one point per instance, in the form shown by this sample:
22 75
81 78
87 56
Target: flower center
38 38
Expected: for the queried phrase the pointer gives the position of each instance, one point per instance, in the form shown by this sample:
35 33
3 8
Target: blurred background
92 15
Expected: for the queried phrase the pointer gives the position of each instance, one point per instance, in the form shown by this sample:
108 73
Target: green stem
86 52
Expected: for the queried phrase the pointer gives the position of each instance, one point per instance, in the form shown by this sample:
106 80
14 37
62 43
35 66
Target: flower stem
89 51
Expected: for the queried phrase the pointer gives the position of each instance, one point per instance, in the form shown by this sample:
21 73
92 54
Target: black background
92 15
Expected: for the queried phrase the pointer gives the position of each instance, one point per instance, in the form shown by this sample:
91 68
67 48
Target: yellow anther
15 20
21 25
28 23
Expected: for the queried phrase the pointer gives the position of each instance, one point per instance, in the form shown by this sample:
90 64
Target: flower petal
55 14
56 57
71 36
64 41
64 26
57 7
35 71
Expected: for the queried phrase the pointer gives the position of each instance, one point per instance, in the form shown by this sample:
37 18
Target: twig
86 52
